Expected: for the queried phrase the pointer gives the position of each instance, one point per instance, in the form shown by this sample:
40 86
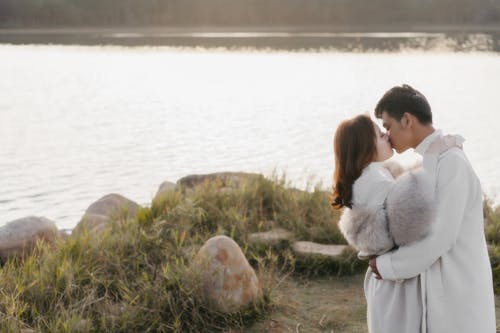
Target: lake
79 122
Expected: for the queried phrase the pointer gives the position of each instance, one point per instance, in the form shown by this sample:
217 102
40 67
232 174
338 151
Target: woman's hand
445 143
373 265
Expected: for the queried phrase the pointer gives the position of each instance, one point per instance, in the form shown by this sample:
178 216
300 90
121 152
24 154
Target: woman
381 212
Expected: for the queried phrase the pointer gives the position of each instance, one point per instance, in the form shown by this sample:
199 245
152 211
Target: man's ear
406 120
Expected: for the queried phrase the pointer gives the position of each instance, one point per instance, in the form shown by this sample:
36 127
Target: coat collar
424 145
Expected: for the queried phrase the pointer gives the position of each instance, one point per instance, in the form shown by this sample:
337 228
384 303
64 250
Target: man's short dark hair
399 100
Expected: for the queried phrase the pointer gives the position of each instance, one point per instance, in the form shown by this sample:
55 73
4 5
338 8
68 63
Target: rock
226 279
164 188
272 237
109 206
312 249
229 179
21 235
93 222
112 203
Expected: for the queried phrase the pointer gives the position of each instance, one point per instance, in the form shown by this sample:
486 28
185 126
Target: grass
131 276
128 279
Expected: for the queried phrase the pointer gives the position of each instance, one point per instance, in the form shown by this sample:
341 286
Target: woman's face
384 150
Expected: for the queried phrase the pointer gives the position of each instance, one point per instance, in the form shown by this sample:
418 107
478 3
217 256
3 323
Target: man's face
399 133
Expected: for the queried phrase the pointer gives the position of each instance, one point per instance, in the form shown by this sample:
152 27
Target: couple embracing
422 231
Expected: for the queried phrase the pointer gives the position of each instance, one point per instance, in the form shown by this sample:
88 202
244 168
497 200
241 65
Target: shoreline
490 200
348 39
469 29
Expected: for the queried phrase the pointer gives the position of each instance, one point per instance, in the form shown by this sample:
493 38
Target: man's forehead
383 119
384 115
386 119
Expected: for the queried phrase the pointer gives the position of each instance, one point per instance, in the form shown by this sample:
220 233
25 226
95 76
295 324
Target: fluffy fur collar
406 217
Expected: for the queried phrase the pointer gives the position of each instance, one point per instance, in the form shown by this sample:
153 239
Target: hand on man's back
443 144
373 265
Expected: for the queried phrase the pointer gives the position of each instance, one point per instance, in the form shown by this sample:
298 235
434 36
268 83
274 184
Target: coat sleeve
452 193
366 230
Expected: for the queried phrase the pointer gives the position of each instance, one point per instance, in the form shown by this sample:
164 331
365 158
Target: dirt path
316 305
323 305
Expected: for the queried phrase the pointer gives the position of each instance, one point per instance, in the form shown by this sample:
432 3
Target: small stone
272 237
311 249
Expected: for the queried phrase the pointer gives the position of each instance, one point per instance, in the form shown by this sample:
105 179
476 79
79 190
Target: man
453 263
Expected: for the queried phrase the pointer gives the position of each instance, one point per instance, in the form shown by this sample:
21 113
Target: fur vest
405 217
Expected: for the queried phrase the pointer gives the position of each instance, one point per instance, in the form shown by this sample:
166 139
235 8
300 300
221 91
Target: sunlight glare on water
77 123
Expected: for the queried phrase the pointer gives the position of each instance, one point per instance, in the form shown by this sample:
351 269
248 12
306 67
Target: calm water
80 122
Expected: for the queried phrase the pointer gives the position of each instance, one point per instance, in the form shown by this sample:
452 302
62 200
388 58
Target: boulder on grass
20 236
227 281
164 188
109 206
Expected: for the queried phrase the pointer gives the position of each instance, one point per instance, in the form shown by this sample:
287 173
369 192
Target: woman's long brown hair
354 148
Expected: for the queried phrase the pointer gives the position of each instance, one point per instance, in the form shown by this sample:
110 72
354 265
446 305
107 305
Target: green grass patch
131 276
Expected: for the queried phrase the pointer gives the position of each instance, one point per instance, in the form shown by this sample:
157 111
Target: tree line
81 13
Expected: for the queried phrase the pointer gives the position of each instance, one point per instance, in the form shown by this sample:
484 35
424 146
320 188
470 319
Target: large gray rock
227 179
226 279
21 235
109 206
